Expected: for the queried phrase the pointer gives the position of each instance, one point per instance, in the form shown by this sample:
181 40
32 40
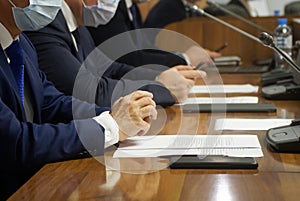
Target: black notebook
233 107
244 69
213 162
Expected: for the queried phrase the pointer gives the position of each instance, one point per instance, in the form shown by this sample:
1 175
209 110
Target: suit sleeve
133 52
88 88
165 12
57 61
32 145
62 128
152 56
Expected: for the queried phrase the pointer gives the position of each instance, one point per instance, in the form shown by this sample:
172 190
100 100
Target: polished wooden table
277 177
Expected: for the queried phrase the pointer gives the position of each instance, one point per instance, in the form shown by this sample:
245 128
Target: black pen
200 65
221 48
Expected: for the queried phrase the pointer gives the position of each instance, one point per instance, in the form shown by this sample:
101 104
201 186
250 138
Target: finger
191 82
202 74
144 127
214 54
193 74
140 94
145 101
184 67
148 112
141 133
189 74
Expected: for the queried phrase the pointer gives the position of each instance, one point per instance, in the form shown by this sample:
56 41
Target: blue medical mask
101 13
37 15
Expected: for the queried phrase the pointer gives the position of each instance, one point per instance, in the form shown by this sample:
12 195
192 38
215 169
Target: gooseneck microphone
195 8
264 38
268 41
225 10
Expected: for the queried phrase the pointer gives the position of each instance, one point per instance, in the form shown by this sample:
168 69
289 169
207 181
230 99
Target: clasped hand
134 113
179 80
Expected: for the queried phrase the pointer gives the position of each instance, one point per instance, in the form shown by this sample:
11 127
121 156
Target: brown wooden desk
277 178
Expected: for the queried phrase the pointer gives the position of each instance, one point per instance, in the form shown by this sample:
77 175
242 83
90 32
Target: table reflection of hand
140 187
133 175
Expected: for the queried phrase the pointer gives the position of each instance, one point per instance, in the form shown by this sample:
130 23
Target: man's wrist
111 128
186 58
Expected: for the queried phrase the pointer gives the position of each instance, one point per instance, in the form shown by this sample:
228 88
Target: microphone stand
273 75
288 142
284 89
195 8
272 92
268 41
267 78
241 18
225 10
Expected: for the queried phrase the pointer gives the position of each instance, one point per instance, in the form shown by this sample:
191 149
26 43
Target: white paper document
166 145
250 124
220 100
244 88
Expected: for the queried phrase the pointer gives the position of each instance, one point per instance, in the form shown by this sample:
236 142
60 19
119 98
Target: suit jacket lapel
9 75
35 91
61 24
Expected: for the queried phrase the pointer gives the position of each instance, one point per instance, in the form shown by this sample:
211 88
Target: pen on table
221 48
199 65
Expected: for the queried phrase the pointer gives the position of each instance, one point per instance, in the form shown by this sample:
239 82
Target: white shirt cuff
111 128
186 58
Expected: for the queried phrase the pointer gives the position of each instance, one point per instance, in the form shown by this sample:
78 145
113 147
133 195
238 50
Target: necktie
79 48
15 55
136 35
133 10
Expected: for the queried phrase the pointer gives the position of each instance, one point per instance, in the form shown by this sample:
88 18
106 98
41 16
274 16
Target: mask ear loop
12 3
83 3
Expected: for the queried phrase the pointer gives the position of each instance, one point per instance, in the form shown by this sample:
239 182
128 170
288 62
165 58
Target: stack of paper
250 124
220 100
244 88
167 145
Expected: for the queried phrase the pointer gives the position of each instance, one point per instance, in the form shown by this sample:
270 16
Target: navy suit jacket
140 43
236 6
165 12
52 135
59 59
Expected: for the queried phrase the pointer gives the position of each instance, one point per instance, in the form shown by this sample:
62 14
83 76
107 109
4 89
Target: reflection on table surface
277 177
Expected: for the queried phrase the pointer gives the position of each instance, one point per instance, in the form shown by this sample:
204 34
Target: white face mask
37 15
102 13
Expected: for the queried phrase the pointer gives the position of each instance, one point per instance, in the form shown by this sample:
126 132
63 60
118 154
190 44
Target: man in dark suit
49 126
165 12
128 18
239 7
60 50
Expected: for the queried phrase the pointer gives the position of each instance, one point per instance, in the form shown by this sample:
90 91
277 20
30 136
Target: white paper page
250 124
242 152
162 145
220 100
261 7
189 141
244 88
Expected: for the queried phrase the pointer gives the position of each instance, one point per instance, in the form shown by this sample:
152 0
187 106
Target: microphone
225 10
264 38
269 77
268 41
195 8
282 89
